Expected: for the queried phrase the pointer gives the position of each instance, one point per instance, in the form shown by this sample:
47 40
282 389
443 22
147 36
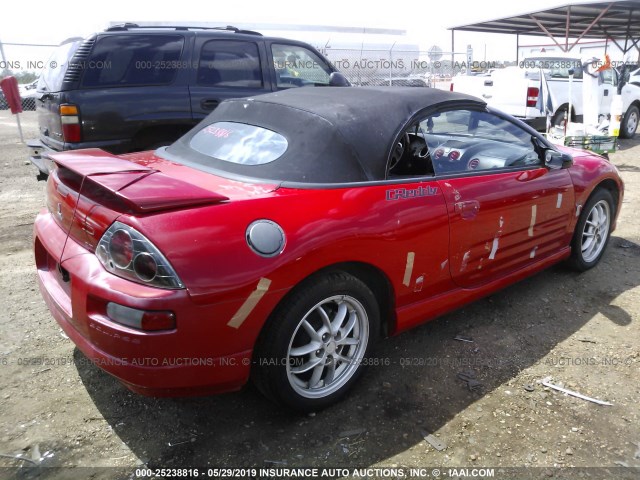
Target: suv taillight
532 96
70 118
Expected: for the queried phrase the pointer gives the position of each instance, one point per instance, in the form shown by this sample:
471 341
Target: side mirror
555 160
337 79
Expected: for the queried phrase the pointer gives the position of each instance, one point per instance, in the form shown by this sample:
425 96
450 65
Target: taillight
451 87
141 319
121 248
145 267
532 96
127 253
70 119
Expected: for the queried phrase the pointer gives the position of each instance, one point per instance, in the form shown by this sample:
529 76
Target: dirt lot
582 330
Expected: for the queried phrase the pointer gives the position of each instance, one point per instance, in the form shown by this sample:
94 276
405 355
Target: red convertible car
285 234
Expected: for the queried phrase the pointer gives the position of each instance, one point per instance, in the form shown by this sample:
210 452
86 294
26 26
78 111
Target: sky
425 22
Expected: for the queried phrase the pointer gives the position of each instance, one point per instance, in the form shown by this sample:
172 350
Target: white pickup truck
515 90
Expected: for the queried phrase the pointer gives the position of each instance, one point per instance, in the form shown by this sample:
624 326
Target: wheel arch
563 107
613 188
379 284
606 187
635 103
372 276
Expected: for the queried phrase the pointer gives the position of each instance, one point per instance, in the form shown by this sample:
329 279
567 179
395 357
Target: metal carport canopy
618 21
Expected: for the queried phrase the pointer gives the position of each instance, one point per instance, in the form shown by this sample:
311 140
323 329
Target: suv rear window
239 143
126 60
228 63
52 76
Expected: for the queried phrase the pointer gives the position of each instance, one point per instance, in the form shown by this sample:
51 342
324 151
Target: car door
608 89
225 69
506 208
298 66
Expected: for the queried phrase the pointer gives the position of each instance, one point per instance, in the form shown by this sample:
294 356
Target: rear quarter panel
208 249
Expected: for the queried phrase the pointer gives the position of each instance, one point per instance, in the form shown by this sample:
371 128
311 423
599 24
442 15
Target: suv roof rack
130 26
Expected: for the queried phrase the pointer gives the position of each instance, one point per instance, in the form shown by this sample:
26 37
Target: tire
593 231
630 122
558 117
306 361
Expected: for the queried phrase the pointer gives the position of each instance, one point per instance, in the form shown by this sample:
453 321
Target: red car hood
577 153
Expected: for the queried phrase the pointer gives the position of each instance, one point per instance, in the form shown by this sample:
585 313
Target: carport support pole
453 59
517 48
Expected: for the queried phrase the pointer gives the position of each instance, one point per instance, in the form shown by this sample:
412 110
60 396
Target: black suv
133 88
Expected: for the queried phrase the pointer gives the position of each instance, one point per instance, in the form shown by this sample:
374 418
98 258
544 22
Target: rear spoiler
139 188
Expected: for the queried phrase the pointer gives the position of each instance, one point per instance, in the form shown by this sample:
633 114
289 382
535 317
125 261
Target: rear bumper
36 156
193 359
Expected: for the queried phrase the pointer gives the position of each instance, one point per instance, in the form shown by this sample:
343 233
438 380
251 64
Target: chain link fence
28 102
396 67
24 61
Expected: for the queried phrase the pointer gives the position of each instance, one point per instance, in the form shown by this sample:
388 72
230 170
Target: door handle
468 209
488 83
209 104
528 175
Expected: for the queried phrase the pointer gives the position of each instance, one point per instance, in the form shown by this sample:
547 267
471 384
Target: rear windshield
52 76
239 143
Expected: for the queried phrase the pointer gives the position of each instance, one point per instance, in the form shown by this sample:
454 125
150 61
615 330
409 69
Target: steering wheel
398 151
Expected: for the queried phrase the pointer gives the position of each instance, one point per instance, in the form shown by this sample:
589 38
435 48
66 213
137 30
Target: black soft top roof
335 134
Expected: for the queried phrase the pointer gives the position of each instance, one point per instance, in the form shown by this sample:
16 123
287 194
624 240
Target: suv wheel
630 122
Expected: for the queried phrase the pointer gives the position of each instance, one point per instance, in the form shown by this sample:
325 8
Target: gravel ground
58 410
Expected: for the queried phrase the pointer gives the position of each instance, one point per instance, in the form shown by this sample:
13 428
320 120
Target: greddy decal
404 193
